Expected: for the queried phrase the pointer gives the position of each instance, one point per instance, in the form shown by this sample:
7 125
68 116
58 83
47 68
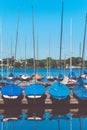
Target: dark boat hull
37 101
13 102
81 102
64 102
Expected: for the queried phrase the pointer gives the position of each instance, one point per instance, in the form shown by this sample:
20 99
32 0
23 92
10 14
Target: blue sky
47 19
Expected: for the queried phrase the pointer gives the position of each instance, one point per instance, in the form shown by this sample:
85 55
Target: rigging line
83 52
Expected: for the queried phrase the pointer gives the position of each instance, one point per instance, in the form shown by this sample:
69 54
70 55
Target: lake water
41 71
43 119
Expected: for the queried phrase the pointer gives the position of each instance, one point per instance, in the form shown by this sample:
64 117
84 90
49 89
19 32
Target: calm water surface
41 71
43 119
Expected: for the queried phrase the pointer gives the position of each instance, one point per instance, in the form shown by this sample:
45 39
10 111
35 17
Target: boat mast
11 56
33 41
47 67
16 39
61 39
37 54
25 55
83 52
1 49
71 48
49 58
8 63
79 56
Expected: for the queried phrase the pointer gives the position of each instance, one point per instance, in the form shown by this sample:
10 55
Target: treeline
44 63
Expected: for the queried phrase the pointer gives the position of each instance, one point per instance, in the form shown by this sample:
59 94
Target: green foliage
18 64
44 63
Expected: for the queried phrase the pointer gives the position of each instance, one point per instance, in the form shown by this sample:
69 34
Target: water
41 71
48 119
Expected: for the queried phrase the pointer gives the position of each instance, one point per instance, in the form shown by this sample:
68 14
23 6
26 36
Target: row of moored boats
35 91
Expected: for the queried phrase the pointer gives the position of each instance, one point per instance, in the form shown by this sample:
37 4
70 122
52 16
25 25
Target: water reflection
35 113
40 117
11 113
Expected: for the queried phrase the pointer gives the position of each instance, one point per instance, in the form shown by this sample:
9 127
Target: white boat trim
10 78
10 97
85 86
34 96
25 77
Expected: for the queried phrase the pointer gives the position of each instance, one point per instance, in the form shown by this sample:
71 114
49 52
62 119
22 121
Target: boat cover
0 77
11 75
61 76
85 71
59 91
80 92
72 74
81 81
35 89
45 80
7 82
11 90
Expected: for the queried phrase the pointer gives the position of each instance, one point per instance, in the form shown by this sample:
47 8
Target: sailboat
12 93
49 76
25 76
71 81
10 75
37 76
59 92
48 80
35 93
80 90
